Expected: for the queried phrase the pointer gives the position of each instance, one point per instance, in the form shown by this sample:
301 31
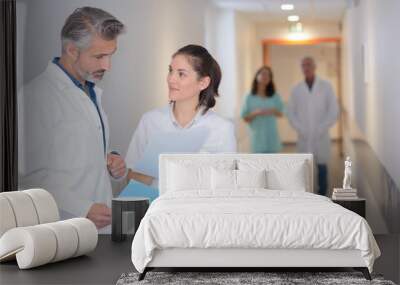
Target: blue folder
183 141
137 189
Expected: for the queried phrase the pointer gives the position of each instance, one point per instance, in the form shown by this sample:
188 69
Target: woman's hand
145 179
272 112
250 117
262 112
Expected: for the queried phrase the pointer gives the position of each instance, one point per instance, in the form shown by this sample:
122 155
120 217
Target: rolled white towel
7 220
45 205
40 244
32 246
26 208
87 235
23 208
67 239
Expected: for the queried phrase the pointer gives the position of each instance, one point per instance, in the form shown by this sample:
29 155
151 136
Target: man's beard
93 77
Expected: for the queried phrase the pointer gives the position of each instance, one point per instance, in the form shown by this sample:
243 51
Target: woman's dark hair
204 65
270 88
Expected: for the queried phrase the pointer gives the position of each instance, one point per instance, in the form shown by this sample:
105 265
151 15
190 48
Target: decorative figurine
347 174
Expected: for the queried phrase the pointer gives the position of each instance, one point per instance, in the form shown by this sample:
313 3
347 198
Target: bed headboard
164 159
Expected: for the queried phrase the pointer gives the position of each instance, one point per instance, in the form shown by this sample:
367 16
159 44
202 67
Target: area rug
243 278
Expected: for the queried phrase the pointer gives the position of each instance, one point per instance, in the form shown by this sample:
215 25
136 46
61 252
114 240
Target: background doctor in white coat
64 143
312 111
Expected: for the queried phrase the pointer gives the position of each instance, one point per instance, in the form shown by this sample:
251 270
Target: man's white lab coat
312 114
62 143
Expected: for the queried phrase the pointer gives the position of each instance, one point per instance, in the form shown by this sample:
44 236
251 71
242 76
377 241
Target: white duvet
250 219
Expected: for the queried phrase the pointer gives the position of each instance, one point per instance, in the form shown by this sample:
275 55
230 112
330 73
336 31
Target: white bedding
252 218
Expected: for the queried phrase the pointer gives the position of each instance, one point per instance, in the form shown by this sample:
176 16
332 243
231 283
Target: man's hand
116 165
100 215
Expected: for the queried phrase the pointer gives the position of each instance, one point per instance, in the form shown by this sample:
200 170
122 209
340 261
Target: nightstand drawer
357 205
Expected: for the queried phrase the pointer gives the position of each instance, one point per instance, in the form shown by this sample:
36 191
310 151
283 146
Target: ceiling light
293 18
287 7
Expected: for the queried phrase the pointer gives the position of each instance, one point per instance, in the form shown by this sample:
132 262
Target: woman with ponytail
193 80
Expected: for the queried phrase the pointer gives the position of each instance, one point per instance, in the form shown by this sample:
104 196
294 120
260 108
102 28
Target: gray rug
230 278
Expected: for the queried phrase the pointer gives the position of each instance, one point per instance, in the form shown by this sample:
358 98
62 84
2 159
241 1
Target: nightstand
127 212
356 205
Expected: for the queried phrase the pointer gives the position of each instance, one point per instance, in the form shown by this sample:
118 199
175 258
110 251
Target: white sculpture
347 174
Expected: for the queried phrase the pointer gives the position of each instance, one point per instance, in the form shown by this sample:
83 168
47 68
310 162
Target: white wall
136 83
221 43
247 44
373 99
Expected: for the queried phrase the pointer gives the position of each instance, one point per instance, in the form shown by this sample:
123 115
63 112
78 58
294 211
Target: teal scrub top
264 134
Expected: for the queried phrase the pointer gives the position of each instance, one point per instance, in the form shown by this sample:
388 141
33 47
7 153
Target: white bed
193 225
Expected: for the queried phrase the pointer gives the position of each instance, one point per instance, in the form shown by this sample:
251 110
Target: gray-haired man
64 128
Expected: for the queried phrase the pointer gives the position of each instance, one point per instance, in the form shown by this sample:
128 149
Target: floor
102 266
389 262
110 259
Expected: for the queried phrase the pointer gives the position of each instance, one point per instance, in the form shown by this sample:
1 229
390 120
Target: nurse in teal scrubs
260 110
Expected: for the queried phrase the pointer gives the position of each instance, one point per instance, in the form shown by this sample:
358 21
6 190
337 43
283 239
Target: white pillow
187 174
291 175
291 180
236 179
251 179
223 179
183 178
